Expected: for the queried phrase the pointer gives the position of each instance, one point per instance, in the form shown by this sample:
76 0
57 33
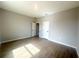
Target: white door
45 31
33 29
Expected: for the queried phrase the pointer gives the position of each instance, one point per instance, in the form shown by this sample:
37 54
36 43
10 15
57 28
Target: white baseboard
64 44
14 39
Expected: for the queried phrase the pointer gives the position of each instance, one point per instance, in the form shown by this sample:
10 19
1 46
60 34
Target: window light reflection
26 51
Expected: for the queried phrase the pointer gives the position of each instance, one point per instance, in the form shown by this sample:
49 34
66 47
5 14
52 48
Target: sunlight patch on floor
21 53
34 50
26 51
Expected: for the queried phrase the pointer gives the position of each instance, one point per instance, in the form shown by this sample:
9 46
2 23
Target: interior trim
14 40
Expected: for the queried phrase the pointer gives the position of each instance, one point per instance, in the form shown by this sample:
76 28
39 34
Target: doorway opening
37 29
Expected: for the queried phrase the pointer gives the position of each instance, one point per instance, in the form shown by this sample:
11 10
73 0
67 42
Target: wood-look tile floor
36 48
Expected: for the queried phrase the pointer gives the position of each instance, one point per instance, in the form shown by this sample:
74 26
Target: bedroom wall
78 32
15 26
0 27
63 27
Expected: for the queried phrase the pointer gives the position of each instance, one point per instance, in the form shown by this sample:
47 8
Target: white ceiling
38 8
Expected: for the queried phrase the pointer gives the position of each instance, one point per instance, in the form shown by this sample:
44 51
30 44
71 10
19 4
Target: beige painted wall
15 26
63 27
0 27
78 32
